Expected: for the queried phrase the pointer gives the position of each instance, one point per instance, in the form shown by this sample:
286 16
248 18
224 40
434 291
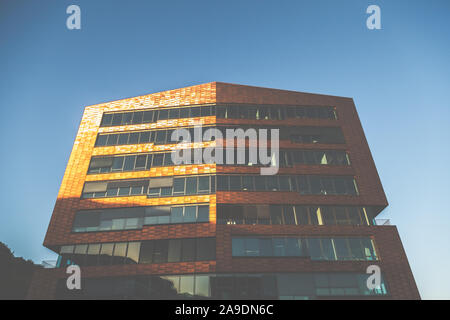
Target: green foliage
15 274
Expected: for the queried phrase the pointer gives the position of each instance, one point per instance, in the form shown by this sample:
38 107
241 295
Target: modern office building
140 226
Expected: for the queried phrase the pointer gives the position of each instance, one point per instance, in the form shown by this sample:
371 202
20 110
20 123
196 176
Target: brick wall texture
393 260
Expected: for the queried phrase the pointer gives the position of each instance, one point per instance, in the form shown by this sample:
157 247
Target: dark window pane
222 183
206 249
235 183
191 185
237 247
160 137
160 250
129 163
106 120
188 249
136 190
247 183
174 254
195 112
158 159
124 191
126 119
176 215
101 140
112 139
203 214
174 113
134 138
184 113
260 183
190 214
117 119
203 184
148 117
146 253
178 185
137 117
163 115
123 138
144 137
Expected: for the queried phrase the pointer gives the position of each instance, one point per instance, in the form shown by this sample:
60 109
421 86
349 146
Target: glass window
117 119
260 183
222 183
129 163
163 115
178 185
191 185
174 113
137 117
146 252
140 161
195 112
184 113
112 139
160 137
237 247
203 214
120 251
176 215
123 138
235 183
134 138
279 247
206 249
126 119
106 120
158 159
117 163
190 213
276 214
202 286
101 140
133 252
188 251
187 285
251 247
203 184
265 247
160 250
247 183
148 116
289 215
342 249
144 137
124 191
174 254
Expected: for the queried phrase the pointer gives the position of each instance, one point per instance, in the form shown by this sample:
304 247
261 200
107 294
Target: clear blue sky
399 78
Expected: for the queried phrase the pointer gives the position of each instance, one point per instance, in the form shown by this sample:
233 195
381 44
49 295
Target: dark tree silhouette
15 274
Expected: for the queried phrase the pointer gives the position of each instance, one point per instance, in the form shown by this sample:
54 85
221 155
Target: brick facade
393 260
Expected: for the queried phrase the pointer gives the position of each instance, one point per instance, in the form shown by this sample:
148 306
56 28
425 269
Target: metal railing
382 222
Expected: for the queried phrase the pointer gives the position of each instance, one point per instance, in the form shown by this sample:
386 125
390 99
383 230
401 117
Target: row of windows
305 184
138 162
166 187
136 218
309 135
331 249
225 286
224 112
152 251
155 187
292 215
149 116
275 112
148 136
